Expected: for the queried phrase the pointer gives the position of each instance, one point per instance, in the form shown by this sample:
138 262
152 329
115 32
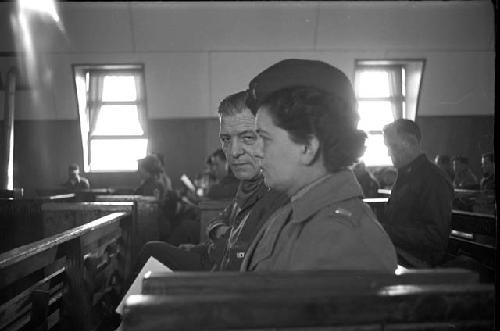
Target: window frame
399 100
86 70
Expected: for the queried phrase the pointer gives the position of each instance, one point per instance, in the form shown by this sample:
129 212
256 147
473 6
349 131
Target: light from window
374 115
112 154
112 109
378 93
376 153
118 120
119 89
373 84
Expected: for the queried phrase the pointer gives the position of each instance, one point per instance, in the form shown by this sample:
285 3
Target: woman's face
280 155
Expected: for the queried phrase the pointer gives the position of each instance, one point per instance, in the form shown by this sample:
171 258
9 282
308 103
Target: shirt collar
322 192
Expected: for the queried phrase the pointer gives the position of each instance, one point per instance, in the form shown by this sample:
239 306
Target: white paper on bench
151 265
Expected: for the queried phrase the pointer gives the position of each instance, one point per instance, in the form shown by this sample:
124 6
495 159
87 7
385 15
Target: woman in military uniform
307 120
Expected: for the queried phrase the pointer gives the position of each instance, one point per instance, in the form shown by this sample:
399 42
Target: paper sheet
151 265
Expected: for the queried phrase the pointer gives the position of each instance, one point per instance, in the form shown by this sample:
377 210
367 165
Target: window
112 109
384 94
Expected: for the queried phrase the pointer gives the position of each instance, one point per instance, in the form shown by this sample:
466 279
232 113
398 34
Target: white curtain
395 82
94 98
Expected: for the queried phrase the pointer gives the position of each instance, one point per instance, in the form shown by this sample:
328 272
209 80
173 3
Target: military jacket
418 214
325 226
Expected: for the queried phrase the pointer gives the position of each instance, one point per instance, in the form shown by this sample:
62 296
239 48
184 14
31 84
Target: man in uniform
418 214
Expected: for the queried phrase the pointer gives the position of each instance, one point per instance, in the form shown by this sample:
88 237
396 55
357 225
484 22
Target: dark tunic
418 214
253 204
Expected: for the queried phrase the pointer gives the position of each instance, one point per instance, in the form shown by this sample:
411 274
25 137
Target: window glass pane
116 154
373 115
376 153
119 88
372 84
118 120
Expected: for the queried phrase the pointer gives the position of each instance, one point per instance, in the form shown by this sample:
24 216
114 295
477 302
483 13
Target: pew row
412 300
147 213
209 282
61 216
40 218
66 281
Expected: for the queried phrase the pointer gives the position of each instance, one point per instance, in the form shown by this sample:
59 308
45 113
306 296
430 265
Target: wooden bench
411 300
66 280
472 243
147 213
61 216
27 220
210 282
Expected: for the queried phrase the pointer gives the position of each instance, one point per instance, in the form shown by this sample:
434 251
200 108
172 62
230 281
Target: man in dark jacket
418 214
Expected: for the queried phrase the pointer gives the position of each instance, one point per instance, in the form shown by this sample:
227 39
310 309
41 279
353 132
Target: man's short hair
233 104
404 128
461 159
489 156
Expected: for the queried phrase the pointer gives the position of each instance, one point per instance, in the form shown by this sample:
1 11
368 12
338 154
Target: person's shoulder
347 213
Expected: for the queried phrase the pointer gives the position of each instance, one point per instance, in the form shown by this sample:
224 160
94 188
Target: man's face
398 149
280 155
240 143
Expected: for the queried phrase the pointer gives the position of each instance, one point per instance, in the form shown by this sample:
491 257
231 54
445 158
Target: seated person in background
152 184
307 120
368 183
75 181
488 168
464 178
418 214
226 184
444 162
234 229
163 174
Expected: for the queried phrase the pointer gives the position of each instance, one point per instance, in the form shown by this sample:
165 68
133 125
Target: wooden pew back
146 212
58 217
49 283
413 300
472 243
226 282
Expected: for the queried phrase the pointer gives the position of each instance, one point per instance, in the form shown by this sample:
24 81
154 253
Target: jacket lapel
265 241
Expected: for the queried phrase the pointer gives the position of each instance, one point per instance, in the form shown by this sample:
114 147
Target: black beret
298 72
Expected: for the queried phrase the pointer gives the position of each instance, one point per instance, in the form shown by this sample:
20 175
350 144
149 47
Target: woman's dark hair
307 111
